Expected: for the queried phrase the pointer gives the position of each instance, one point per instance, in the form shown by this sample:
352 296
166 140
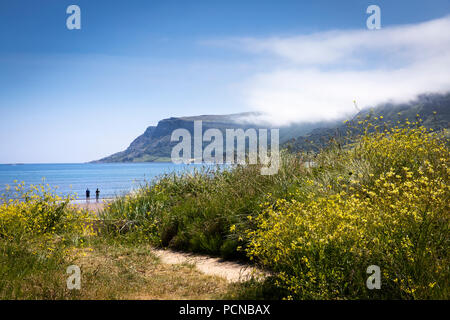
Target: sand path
91 205
231 271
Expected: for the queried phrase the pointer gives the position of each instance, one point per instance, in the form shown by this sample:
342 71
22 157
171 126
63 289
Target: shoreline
91 205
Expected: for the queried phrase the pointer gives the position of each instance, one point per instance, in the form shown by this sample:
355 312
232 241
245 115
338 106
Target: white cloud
317 76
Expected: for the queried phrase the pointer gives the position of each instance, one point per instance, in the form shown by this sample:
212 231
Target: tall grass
194 211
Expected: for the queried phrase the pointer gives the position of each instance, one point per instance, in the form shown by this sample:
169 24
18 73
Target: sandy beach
91 205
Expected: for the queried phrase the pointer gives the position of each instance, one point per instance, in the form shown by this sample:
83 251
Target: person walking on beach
88 194
97 194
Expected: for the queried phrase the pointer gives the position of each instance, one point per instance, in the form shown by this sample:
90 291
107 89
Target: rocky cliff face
155 145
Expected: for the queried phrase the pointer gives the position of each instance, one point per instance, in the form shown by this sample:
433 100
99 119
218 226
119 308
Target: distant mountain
155 145
433 109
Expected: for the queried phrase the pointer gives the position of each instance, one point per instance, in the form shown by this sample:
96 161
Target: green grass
110 269
194 211
24 275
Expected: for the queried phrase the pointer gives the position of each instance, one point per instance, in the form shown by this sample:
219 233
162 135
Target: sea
112 179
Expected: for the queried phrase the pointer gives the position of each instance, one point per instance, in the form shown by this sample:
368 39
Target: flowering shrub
39 216
38 231
384 202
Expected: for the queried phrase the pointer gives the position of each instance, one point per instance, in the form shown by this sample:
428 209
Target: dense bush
383 202
37 211
37 231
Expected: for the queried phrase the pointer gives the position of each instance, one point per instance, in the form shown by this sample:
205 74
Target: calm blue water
110 178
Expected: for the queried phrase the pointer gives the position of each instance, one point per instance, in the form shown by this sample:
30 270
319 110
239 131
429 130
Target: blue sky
79 95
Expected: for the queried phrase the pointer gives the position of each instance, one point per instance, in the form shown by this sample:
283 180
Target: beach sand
91 205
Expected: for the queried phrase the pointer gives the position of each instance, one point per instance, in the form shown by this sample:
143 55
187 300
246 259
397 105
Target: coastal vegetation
38 231
41 235
377 196
381 197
